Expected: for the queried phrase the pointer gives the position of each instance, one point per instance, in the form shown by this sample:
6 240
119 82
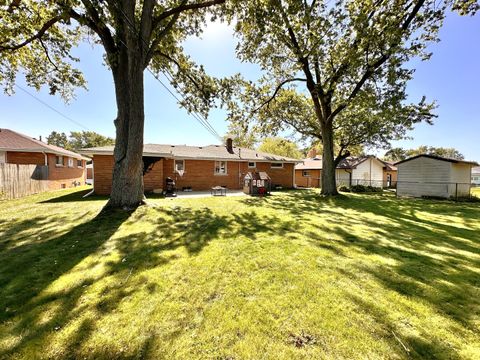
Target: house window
220 167
59 160
277 165
252 165
70 162
79 163
179 165
306 173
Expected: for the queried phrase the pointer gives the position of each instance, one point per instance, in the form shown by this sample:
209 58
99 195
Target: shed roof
435 157
13 141
209 152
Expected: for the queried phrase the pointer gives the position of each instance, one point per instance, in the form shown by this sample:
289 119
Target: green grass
292 276
476 191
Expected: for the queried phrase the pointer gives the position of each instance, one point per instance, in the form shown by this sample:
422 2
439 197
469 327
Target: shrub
358 188
344 189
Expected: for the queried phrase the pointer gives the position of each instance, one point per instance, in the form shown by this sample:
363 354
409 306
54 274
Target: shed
257 183
430 175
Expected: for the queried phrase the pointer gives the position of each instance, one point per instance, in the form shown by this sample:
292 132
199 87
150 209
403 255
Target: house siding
371 171
460 174
424 177
198 174
312 181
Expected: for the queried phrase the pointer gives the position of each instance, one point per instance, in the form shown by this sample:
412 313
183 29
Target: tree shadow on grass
434 246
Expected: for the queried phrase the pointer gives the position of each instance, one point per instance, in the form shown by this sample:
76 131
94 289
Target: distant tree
241 136
86 139
280 146
398 154
395 154
58 139
438 151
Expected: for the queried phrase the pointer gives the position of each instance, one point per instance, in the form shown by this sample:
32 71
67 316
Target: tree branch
184 7
38 35
47 54
279 86
159 37
379 62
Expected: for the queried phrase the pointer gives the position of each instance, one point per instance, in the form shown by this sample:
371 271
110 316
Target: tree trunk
329 184
127 181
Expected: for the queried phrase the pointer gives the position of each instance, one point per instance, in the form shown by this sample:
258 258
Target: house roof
13 141
315 163
209 152
437 158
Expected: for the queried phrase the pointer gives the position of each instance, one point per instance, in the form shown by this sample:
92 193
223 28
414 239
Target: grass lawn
292 276
476 191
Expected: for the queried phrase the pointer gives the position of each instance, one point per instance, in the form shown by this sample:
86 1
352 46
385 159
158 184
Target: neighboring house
89 179
65 168
429 175
476 175
363 170
195 167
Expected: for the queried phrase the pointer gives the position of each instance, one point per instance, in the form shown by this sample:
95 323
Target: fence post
456 191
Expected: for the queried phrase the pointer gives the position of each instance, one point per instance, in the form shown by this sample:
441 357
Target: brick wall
58 177
25 158
64 176
102 174
392 173
199 174
308 181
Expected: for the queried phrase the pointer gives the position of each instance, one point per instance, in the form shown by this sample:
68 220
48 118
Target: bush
344 189
358 188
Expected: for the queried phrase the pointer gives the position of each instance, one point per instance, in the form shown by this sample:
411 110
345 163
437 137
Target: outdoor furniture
219 191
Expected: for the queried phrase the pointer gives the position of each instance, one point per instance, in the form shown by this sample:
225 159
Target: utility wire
201 119
51 107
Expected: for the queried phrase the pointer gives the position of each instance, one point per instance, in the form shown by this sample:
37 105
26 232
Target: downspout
91 192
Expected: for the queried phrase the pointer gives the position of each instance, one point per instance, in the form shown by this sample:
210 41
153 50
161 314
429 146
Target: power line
52 108
200 118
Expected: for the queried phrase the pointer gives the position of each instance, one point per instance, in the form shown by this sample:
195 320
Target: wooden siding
312 181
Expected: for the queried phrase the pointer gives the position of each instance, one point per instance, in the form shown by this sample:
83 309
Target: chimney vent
229 145
40 137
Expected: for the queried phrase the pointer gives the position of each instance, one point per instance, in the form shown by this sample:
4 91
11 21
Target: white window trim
79 166
175 164
276 167
306 172
254 164
215 167
70 161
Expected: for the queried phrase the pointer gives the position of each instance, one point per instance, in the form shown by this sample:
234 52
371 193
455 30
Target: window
59 160
306 173
79 163
220 168
70 162
252 165
277 165
179 165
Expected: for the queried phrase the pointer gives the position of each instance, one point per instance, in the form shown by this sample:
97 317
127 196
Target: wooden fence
21 180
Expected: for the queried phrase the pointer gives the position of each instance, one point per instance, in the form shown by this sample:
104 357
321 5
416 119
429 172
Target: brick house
365 170
65 168
195 167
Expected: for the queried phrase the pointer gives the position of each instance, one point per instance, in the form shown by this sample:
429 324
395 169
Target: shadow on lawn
29 265
434 260
427 264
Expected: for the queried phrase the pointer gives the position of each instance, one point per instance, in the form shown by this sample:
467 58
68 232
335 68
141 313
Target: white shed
429 175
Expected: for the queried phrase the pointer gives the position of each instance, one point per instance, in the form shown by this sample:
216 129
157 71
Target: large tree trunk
127 183
329 184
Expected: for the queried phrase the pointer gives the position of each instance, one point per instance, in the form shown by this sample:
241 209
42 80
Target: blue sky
451 77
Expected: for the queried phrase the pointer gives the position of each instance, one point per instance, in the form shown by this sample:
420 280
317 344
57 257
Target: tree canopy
398 154
79 140
335 72
280 146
